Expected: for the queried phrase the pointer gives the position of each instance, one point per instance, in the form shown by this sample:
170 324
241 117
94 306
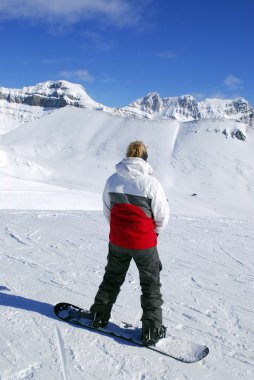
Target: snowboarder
135 205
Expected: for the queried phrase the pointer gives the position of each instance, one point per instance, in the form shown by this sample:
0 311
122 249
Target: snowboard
171 346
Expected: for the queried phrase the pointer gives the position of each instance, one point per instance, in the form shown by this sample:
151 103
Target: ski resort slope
76 149
207 286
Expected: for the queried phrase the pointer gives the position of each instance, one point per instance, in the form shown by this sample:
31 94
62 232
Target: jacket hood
132 167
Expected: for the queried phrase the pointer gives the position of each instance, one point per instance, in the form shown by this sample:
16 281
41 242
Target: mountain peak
53 94
151 103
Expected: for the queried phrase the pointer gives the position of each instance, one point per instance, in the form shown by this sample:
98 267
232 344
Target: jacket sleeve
106 203
160 207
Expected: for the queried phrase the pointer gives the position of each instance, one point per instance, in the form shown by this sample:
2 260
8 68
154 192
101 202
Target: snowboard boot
151 335
100 316
99 320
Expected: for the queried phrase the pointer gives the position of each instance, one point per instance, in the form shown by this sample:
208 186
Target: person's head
137 149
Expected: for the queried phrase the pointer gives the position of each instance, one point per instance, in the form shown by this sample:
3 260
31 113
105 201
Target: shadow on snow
46 309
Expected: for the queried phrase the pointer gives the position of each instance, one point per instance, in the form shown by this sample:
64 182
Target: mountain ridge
61 93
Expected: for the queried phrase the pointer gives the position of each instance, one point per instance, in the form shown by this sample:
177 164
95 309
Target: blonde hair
136 149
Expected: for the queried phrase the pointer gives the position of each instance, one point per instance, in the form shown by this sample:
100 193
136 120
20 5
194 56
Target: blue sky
122 49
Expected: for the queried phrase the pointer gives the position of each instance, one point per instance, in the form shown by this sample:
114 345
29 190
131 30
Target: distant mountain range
15 105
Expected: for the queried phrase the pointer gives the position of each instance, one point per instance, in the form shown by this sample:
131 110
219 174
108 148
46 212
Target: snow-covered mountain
186 108
152 106
18 106
22 105
53 94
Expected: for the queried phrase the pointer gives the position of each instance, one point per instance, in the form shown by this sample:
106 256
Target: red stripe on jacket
131 228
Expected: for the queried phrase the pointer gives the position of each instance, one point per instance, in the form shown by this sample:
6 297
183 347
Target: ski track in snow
49 257
61 351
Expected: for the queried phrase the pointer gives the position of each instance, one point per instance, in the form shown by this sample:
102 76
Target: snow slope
207 285
76 149
209 162
14 114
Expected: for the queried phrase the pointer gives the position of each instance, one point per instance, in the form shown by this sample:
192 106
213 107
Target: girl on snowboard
135 205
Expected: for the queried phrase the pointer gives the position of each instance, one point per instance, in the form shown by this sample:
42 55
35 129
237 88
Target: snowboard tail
170 346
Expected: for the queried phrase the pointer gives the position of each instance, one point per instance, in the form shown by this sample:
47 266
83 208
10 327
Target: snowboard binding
152 335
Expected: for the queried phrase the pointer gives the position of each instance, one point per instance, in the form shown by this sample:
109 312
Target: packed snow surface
207 286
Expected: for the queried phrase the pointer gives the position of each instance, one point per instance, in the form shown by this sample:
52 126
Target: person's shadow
7 299
43 308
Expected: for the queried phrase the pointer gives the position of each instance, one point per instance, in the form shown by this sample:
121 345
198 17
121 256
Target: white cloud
105 78
168 55
96 41
58 60
52 61
82 75
233 82
118 12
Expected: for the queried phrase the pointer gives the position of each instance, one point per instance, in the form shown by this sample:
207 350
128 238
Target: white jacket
133 177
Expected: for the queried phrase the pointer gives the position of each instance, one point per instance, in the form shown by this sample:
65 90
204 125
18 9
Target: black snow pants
149 266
